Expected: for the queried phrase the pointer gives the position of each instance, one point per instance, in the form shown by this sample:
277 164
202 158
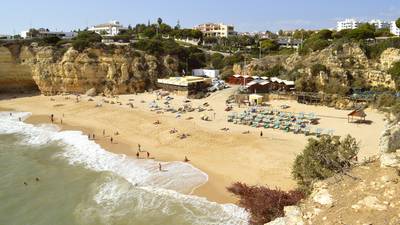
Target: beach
225 156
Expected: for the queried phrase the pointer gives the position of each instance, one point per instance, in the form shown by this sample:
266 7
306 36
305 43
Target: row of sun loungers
287 121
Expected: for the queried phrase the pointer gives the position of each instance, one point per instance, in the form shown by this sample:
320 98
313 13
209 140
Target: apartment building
379 24
394 29
111 28
216 29
348 24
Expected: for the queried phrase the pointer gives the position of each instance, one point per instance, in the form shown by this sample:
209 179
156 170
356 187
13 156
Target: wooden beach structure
188 85
358 113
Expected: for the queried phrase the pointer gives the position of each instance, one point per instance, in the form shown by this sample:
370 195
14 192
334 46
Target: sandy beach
226 156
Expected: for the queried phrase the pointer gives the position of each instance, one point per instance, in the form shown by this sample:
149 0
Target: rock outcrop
14 77
345 62
116 71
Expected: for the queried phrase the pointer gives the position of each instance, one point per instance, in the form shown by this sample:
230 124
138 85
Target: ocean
51 177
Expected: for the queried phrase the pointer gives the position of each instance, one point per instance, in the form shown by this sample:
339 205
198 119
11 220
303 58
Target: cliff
55 70
347 61
14 77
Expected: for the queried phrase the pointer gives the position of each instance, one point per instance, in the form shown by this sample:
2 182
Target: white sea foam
166 188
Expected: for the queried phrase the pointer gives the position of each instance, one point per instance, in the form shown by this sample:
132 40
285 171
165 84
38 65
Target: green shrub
217 61
385 100
49 40
395 73
322 159
317 68
80 45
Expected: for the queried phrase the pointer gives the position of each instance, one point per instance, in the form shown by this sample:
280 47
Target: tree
159 21
269 45
217 61
324 158
398 23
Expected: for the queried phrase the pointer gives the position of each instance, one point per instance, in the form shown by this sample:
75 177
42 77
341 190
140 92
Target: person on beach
148 154
159 167
261 134
61 121
52 118
19 119
111 139
10 114
137 154
104 132
88 136
139 147
93 136
186 159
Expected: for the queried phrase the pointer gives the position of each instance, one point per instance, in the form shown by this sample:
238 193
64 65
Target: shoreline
43 119
225 156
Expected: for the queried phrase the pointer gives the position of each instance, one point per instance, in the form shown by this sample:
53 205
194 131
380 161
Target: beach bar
189 85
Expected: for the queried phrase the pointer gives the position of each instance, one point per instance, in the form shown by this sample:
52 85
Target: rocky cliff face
347 60
14 77
116 71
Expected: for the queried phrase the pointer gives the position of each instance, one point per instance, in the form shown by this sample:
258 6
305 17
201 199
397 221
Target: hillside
365 195
346 64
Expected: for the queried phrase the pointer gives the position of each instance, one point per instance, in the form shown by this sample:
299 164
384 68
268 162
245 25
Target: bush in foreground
263 203
323 158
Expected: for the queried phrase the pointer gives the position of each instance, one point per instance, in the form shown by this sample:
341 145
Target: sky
246 15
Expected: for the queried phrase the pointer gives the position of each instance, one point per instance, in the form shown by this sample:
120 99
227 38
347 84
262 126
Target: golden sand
226 156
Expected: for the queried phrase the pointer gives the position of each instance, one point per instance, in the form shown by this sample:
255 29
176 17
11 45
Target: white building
216 29
348 24
379 24
394 29
206 73
111 28
42 33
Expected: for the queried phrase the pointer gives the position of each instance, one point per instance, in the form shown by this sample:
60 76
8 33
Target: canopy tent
356 113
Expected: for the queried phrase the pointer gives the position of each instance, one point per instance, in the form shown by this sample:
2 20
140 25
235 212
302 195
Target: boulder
293 216
389 160
323 197
91 92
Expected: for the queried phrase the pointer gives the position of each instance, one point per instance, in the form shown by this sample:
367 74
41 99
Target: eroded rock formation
57 70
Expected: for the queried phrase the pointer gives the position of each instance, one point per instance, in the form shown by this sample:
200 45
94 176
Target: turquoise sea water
80 183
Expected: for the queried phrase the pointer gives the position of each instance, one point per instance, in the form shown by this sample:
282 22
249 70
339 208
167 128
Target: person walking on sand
186 159
139 147
52 118
61 121
137 154
148 154
93 136
261 134
111 139
104 132
159 167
